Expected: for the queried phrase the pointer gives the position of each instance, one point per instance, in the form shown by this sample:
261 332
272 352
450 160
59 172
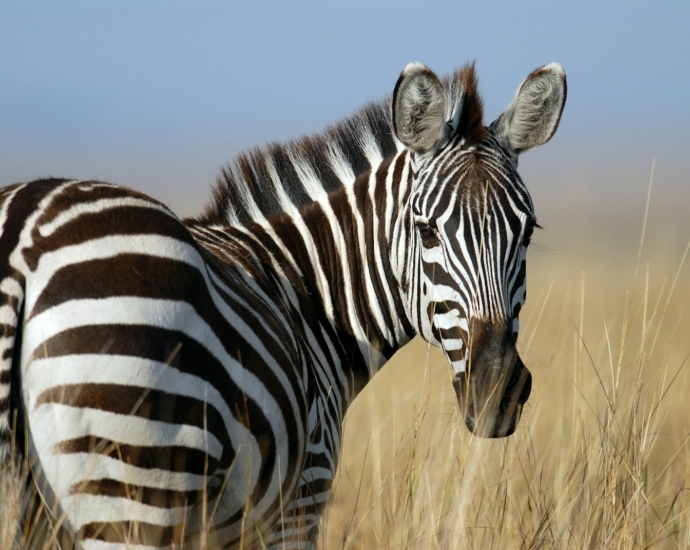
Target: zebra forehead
477 177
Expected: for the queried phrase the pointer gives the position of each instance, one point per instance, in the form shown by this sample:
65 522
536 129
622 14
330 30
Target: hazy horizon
158 96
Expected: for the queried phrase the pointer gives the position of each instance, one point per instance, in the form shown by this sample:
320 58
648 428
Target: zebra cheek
433 255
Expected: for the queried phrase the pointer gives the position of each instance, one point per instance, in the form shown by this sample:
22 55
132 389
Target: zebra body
186 381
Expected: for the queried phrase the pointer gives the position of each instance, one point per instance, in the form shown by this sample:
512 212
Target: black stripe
123 220
125 275
287 173
139 402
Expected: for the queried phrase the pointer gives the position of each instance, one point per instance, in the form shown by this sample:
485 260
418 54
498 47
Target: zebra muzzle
492 391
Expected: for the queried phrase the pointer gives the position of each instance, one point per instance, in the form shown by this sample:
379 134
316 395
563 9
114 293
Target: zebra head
468 223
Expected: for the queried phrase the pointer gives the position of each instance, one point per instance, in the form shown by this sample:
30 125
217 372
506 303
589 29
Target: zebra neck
342 245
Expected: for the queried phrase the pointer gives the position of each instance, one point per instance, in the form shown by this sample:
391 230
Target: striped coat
186 380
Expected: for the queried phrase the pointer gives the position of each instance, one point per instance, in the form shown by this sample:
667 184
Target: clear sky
156 95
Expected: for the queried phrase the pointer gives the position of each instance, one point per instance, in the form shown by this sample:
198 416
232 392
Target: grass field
601 456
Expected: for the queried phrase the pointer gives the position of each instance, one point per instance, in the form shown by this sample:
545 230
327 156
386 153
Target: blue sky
156 95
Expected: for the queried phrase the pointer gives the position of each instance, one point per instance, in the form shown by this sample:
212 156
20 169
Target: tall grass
600 459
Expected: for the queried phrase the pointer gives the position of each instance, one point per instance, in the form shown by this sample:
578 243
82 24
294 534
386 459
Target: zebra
185 381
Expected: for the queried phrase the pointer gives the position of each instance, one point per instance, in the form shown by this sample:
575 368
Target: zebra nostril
526 388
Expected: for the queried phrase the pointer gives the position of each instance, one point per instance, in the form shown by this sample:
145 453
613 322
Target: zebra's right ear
419 107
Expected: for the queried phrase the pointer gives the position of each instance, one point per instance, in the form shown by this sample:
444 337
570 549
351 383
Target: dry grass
600 459
11 496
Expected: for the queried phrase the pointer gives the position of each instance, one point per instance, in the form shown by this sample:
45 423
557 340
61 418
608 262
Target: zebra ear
533 116
419 107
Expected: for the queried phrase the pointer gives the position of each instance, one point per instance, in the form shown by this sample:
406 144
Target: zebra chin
492 391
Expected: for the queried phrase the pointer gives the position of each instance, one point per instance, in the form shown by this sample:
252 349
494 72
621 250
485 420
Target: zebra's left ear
533 116
419 107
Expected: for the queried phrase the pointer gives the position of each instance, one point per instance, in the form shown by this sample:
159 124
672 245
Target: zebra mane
281 177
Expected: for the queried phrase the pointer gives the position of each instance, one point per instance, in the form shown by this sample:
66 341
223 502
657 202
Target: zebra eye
527 237
425 231
428 234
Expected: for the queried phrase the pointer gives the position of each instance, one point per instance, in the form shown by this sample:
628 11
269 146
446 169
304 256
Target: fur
281 177
533 116
419 108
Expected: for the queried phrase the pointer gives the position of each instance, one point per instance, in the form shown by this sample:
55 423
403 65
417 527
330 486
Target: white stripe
453 344
459 366
8 315
83 509
94 466
370 147
11 287
340 166
434 255
246 198
71 423
444 293
451 319
314 473
306 174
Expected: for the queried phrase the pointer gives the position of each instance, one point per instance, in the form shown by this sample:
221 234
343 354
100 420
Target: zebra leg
12 213
11 296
